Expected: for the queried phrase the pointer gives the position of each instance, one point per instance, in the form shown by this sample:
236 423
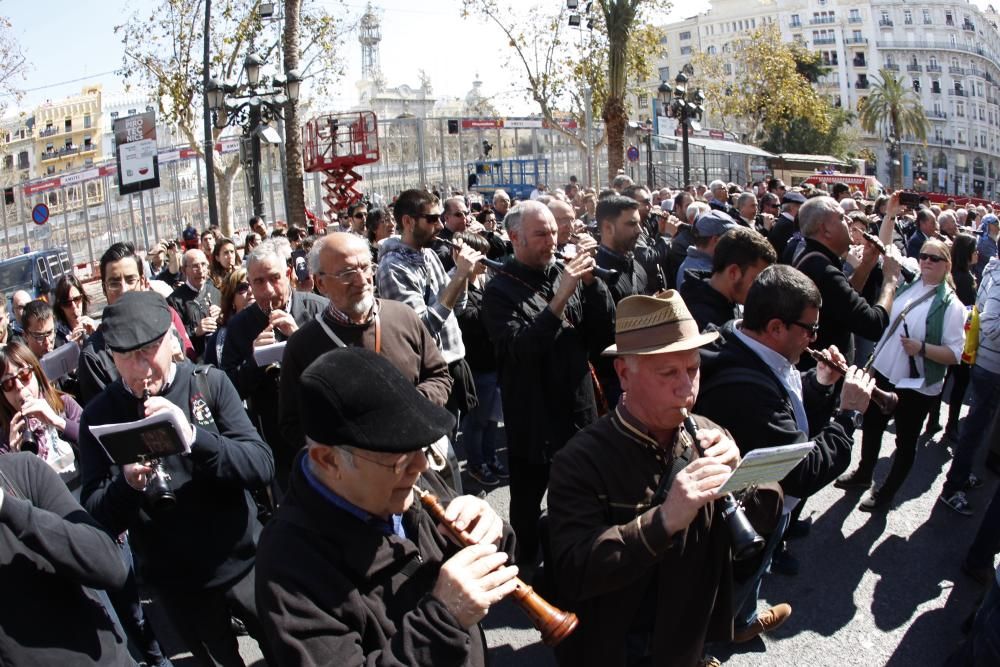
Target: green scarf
933 371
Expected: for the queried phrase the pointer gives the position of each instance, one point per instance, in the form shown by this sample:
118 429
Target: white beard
362 307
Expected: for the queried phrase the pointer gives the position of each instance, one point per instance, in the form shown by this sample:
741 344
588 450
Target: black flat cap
792 197
136 319
353 396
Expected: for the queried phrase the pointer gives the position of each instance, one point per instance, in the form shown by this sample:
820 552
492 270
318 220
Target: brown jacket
615 565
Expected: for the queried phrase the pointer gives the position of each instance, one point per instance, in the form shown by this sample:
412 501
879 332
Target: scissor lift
335 144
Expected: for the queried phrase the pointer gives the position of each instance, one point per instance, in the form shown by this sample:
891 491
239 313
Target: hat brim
680 346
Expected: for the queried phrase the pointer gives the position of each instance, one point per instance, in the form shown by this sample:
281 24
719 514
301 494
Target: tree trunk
295 187
224 190
614 128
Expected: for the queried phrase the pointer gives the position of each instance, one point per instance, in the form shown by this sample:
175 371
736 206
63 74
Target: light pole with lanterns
687 107
253 106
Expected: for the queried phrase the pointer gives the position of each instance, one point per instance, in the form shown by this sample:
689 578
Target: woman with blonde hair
925 336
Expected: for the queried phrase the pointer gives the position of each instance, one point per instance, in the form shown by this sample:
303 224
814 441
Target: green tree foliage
163 54
560 64
769 87
893 110
13 65
801 136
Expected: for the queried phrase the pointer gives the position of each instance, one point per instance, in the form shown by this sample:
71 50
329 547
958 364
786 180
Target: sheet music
769 464
61 361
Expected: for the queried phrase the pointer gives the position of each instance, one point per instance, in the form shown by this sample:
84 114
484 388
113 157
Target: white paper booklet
265 355
768 464
155 436
61 361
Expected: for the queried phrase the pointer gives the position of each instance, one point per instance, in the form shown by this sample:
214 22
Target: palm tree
620 20
894 111
296 204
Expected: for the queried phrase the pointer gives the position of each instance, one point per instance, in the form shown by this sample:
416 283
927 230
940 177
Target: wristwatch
854 417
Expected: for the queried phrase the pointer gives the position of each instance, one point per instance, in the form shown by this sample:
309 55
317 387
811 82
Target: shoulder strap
739 375
897 322
797 262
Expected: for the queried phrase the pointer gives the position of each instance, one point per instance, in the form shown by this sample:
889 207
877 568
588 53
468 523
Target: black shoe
483 475
853 480
783 562
932 428
798 529
499 470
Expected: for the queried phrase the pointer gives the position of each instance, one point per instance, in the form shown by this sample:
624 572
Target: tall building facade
947 52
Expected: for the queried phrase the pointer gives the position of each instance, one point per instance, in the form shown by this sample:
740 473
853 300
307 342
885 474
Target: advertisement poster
136 154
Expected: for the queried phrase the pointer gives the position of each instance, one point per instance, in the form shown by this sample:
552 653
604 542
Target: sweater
208 539
52 554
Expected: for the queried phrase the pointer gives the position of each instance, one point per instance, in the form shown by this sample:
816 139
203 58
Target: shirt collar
774 360
392 527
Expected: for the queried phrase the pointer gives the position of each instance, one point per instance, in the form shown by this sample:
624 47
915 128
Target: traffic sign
40 214
632 153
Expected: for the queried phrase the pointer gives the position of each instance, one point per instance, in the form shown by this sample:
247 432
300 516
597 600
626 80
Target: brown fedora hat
656 324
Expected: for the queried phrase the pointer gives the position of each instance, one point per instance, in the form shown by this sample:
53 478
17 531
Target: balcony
938 115
48 132
820 41
937 46
956 70
934 68
823 20
795 24
862 85
855 40
935 90
913 67
972 71
893 67
858 62
854 19
957 93
88 148
969 26
885 23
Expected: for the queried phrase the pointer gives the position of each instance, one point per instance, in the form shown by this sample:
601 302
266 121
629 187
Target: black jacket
632 277
677 253
542 360
707 305
782 230
357 595
844 311
479 351
192 307
756 409
52 553
208 539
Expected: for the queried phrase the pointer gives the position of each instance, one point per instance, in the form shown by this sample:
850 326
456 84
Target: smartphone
910 200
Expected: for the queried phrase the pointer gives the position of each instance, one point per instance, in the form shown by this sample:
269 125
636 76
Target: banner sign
136 154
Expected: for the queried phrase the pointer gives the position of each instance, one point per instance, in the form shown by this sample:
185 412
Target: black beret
136 319
353 396
793 197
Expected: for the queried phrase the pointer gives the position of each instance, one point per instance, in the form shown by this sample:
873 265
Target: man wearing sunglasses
750 385
276 314
40 333
198 554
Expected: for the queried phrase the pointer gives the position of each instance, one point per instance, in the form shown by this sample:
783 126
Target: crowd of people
633 345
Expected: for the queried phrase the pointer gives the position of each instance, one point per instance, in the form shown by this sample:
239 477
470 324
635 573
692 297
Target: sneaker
972 483
483 475
874 500
767 620
958 502
497 468
853 480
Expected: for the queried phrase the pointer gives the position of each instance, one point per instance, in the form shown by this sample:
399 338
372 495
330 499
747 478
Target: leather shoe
767 620
853 480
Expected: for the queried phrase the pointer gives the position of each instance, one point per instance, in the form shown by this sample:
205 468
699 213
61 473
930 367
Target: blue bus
516 176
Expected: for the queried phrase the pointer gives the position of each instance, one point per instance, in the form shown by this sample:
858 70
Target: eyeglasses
242 288
432 218
347 276
401 463
116 284
934 258
9 382
76 300
41 335
811 329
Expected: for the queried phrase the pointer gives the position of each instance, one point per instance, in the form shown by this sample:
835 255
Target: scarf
933 371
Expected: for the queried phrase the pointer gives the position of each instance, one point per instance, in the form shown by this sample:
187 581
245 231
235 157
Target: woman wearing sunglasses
236 296
70 307
33 415
925 336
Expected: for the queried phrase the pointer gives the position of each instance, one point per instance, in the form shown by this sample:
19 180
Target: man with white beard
343 269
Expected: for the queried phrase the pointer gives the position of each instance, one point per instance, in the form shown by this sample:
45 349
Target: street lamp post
892 148
687 107
253 106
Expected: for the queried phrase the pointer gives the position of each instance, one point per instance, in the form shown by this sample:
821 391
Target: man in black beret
360 566
198 554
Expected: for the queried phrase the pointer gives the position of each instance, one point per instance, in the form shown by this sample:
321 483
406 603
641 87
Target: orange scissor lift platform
335 144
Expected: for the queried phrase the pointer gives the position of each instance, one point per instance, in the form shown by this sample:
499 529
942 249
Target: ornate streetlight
253 106
687 107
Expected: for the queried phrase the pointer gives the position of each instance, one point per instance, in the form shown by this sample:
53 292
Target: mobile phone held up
910 200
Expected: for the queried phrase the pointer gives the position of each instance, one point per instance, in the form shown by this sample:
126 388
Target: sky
71 43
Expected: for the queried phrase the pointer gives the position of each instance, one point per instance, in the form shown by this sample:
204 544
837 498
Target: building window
69 124
795 22
86 119
949 19
50 170
907 17
728 69
710 50
643 102
664 73
855 16
685 50
960 110
927 17
22 160
685 35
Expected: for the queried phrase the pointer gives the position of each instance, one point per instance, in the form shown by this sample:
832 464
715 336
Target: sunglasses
76 300
934 258
9 382
812 329
432 218
242 288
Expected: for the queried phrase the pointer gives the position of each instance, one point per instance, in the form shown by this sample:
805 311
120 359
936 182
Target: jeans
982 646
984 388
909 417
479 428
746 595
